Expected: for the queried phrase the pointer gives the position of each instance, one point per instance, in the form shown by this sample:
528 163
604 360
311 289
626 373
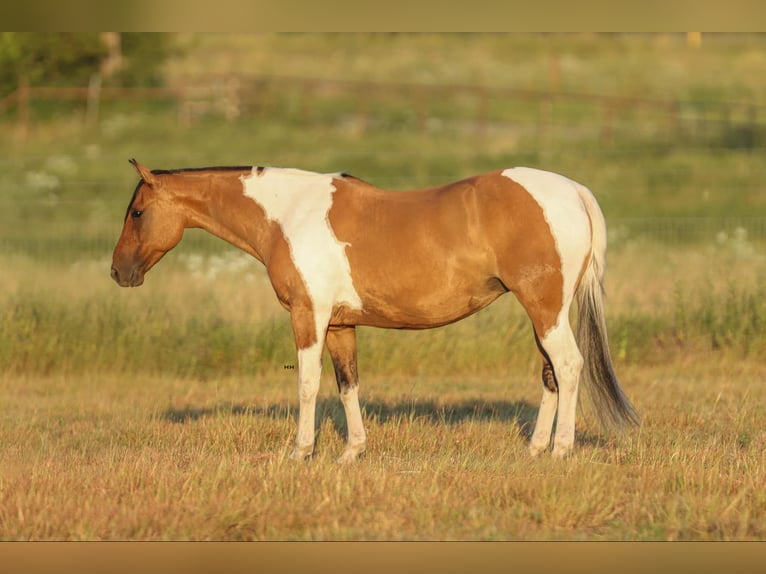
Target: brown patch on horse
341 345
469 242
529 262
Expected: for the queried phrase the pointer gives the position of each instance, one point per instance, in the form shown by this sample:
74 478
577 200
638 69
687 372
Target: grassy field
166 412
112 457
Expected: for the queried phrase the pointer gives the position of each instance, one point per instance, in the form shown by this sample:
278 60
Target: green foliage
71 59
145 55
62 58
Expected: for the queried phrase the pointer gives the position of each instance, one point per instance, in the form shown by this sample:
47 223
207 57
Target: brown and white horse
340 253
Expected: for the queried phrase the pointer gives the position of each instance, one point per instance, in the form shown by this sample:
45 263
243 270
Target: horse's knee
570 370
564 362
309 371
349 392
308 389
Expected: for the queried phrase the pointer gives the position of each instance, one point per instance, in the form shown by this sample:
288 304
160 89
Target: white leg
541 437
567 362
357 438
309 373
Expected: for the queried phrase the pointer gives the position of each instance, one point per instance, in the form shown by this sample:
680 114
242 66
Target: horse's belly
421 310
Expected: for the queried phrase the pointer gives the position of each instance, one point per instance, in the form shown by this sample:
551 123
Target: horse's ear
145 173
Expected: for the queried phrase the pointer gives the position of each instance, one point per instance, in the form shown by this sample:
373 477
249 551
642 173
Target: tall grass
216 316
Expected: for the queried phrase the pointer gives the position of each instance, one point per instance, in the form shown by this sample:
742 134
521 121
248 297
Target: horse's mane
193 169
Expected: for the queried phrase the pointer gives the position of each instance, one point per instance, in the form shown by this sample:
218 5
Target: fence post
483 119
307 95
362 112
544 120
421 105
674 111
22 100
94 100
607 131
752 121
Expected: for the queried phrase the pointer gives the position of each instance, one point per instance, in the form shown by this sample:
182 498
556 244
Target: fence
310 100
609 121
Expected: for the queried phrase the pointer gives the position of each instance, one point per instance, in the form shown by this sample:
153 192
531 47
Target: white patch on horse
299 201
559 198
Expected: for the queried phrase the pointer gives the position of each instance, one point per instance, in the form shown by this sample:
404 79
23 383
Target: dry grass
126 450
110 457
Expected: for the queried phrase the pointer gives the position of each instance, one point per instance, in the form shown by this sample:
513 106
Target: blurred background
167 412
667 130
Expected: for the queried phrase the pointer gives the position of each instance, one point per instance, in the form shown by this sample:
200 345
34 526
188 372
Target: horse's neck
222 210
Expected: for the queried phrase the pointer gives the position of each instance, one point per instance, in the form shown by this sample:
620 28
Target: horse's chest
299 204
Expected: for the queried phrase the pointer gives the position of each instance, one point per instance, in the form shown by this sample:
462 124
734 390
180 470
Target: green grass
211 316
70 182
68 202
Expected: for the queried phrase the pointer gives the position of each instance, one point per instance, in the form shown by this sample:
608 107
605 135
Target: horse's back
432 256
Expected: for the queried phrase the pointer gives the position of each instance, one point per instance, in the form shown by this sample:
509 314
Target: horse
341 253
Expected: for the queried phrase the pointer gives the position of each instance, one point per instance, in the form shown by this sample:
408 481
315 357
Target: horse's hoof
562 452
301 453
351 454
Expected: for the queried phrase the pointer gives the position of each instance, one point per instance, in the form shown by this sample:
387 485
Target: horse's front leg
341 344
308 330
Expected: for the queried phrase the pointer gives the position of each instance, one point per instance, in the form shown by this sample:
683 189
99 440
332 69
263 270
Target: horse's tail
601 384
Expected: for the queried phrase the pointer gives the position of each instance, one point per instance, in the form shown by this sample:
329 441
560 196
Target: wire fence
364 105
616 125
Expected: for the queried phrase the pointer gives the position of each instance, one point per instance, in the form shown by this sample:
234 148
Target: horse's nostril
115 275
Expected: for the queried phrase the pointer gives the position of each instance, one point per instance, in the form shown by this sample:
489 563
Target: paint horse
340 253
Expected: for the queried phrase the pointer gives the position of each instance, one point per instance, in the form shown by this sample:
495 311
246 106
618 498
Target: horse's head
154 224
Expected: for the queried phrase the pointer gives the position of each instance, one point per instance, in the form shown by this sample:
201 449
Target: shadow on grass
519 413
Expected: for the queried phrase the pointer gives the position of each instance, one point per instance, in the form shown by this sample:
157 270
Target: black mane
193 169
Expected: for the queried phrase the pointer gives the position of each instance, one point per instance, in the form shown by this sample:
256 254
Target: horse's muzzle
132 279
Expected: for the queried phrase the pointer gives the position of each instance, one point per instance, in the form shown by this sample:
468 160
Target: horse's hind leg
341 344
565 358
562 363
541 437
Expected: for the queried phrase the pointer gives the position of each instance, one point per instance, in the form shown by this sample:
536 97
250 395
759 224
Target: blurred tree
73 58
48 58
143 56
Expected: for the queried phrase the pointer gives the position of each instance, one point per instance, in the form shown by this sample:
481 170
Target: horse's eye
136 213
